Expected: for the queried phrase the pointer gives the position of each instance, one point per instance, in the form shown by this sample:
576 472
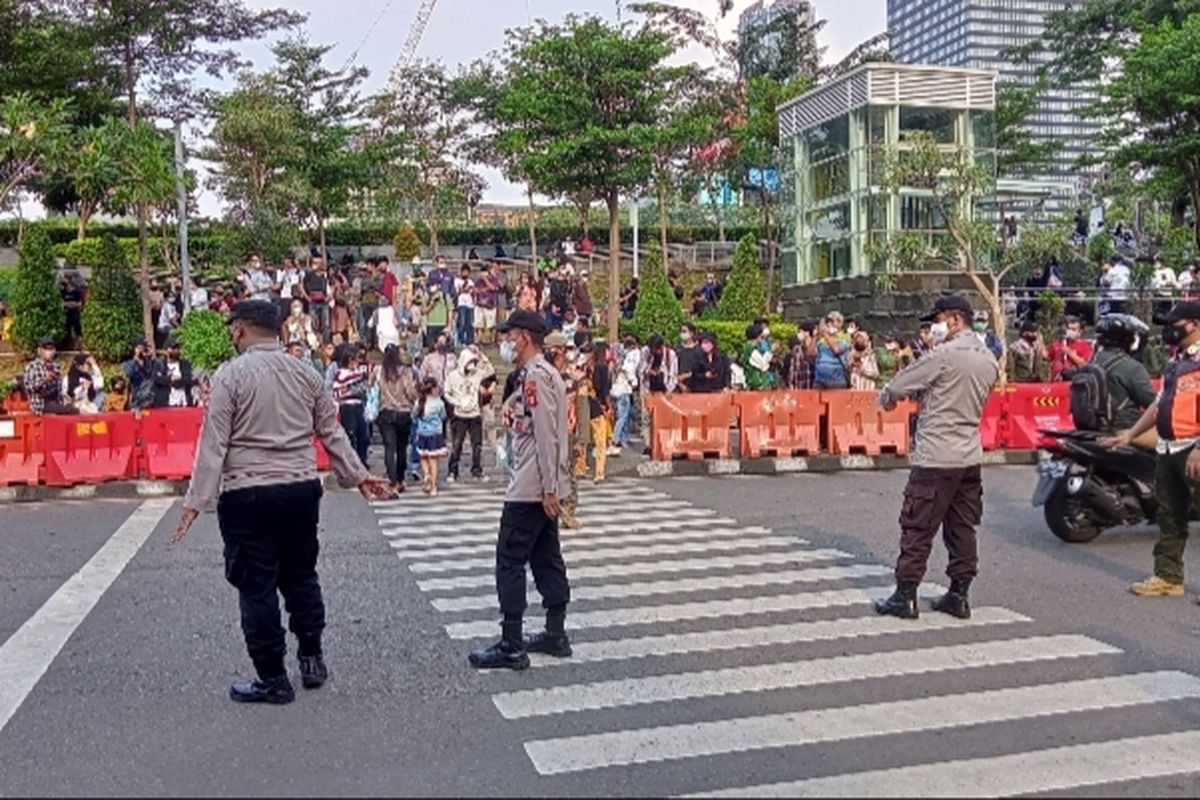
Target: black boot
553 641
276 691
954 602
508 653
902 603
313 672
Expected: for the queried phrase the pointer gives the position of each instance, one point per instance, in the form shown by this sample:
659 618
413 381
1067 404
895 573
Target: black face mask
1173 335
1030 339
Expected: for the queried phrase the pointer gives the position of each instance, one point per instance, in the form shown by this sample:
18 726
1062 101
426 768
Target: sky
454 35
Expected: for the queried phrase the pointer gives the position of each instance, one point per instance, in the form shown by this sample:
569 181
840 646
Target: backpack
1091 406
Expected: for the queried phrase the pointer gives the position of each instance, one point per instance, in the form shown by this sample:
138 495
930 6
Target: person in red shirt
1070 351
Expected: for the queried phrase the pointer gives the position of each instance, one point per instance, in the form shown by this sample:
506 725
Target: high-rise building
755 22
976 34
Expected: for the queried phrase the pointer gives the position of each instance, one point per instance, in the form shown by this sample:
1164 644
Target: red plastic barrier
993 425
1034 406
322 455
694 426
782 424
90 449
21 453
855 424
169 437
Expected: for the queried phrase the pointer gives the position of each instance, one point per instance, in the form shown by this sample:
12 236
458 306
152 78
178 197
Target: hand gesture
376 488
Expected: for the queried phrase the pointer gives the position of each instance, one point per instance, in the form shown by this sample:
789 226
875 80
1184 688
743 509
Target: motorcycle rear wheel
1067 520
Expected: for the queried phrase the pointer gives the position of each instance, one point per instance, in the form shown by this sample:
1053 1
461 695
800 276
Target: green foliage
265 233
1017 153
112 316
1178 248
33 138
407 243
731 334
744 296
657 309
1037 247
37 305
204 340
8 283
1100 248
87 252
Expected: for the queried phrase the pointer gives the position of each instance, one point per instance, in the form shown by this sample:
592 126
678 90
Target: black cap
949 302
141 342
46 341
171 344
1181 311
524 320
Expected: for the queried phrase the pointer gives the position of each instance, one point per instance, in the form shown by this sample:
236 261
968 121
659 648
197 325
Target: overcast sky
461 31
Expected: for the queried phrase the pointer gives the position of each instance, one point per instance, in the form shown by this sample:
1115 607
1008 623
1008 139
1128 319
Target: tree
1017 153
204 340
407 243
37 305
658 311
33 136
744 297
112 316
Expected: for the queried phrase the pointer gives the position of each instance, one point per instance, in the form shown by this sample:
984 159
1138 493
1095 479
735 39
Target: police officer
255 465
945 487
1176 414
536 412
1119 337
556 354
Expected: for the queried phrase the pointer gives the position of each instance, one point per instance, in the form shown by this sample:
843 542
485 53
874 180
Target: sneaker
551 644
277 691
480 478
1155 586
501 655
614 452
451 479
313 672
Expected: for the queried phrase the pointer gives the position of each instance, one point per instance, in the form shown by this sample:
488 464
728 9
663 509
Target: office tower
755 34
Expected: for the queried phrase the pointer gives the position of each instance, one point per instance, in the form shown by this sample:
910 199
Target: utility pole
185 265
633 220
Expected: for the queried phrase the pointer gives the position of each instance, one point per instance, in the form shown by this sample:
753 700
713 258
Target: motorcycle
1087 487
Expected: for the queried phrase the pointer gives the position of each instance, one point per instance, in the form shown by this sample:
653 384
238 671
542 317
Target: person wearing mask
829 350
710 373
892 357
709 290
1069 351
139 371
1174 415
864 371
923 344
430 432
462 394
438 313
581 299
688 355
72 301
439 363
43 382
489 297
198 298
256 279
256 467
398 396
1119 338
168 319
440 277
316 289
339 308
351 381
1026 362
945 486
629 299
757 359
983 330
624 385
289 279
387 324
537 414
84 387
299 326
599 379
658 373
464 311
116 398
1115 282
797 366
173 380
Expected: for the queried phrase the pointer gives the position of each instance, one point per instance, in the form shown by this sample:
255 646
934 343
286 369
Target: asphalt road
723 642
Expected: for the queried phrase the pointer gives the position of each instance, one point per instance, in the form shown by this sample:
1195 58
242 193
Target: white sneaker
451 479
614 451
481 478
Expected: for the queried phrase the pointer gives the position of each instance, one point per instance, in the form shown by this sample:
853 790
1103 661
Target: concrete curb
785 466
116 490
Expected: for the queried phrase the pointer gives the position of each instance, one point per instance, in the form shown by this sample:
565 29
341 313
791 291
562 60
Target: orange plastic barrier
693 426
169 437
90 449
993 425
855 424
1034 406
781 424
21 453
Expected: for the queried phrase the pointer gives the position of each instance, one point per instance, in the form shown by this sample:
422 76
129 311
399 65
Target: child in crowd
431 439
116 399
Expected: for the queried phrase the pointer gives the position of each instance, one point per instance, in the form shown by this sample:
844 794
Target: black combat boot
902 603
553 641
313 672
276 691
508 653
954 602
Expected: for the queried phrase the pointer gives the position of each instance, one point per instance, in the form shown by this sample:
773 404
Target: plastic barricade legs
692 426
855 424
1037 406
90 449
21 451
781 424
169 437
993 425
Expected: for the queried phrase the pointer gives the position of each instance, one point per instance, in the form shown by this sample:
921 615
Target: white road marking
659 565
1038 771
794 674
578 541
681 585
452 523
712 609
648 745
769 635
408 535
28 653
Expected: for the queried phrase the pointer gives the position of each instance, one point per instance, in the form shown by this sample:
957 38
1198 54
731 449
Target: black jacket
162 382
710 376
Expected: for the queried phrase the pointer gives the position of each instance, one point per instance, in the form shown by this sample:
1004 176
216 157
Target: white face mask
508 351
939 331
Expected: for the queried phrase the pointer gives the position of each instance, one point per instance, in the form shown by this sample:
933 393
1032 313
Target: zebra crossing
696 637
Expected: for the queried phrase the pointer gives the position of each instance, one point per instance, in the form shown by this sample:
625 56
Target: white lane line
476 504
668 742
710 609
28 653
793 674
768 635
575 542
410 535
1033 772
484 521
452 496
658 566
680 585
463 564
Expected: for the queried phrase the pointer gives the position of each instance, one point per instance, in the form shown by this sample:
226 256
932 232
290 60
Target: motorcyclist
1120 339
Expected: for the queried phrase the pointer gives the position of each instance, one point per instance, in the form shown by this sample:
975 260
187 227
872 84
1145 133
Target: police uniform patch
531 398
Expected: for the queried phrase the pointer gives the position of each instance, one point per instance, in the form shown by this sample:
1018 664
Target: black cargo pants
270 535
528 536
951 499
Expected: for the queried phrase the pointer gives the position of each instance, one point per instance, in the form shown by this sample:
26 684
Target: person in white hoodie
461 391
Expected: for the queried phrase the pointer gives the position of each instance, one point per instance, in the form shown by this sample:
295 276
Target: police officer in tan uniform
556 354
536 411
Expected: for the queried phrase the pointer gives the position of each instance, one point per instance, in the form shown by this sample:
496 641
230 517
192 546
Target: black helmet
1122 330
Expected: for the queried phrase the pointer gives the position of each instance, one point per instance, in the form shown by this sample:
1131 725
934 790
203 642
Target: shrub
731 334
1100 248
271 236
1179 248
112 316
744 296
37 305
407 243
8 283
657 309
204 341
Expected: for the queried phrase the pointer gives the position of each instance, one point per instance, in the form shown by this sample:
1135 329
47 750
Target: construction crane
414 35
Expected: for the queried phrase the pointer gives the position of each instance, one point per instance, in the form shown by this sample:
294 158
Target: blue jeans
354 421
464 326
320 315
414 458
624 415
